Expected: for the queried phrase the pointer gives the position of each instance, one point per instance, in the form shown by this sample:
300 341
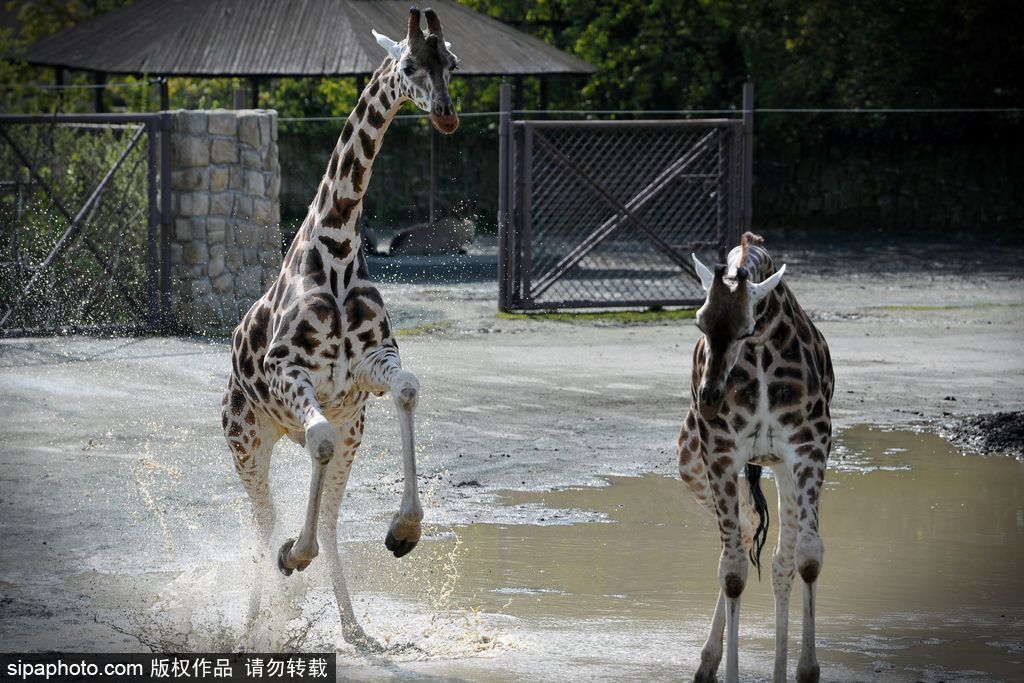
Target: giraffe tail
753 473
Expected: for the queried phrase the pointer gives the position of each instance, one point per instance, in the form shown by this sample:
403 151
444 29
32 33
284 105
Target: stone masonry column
225 182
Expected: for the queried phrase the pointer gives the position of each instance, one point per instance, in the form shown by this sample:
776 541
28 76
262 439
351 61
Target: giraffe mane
746 240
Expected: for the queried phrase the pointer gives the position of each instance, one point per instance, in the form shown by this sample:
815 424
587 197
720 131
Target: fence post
153 314
747 173
504 164
166 226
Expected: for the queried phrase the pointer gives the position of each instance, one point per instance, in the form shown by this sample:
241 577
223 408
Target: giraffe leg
782 567
336 478
405 529
711 653
252 442
691 463
732 565
694 473
809 473
292 385
384 370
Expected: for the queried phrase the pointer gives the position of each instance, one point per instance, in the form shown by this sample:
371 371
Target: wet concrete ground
125 528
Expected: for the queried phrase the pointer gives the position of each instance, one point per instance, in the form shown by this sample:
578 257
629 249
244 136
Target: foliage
801 54
667 54
650 55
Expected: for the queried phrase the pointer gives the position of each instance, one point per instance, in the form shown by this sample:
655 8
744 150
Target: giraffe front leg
809 474
293 386
711 653
694 474
782 567
405 529
732 565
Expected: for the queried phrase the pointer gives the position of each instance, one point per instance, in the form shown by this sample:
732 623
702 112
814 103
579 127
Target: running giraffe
310 352
760 390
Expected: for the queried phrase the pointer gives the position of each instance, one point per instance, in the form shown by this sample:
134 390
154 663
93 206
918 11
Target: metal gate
607 213
83 199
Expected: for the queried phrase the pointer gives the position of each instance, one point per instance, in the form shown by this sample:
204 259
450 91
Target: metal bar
115 328
76 224
517 210
527 223
642 123
434 162
152 220
723 196
6 119
534 305
166 225
100 79
645 195
737 189
747 176
504 146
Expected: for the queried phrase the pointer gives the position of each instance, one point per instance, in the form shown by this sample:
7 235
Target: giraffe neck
756 260
334 214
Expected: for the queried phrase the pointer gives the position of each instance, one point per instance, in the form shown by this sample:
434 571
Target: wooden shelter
258 39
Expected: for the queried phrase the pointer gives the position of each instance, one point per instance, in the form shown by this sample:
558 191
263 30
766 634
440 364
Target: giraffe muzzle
443 115
709 402
445 124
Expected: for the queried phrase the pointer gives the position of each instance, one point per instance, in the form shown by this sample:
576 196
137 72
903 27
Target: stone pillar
225 182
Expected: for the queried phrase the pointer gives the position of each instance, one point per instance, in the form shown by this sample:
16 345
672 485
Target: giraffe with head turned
760 390
309 353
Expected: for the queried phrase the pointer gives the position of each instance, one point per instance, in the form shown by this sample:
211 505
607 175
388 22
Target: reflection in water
922 577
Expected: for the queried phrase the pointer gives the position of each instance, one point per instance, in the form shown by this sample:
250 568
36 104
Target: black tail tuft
753 473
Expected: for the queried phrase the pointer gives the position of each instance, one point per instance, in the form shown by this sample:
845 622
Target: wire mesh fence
75 225
417 172
606 213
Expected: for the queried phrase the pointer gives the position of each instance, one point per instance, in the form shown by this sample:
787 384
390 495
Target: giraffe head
727 319
425 63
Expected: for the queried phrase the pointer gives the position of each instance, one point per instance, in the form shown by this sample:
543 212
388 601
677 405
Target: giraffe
760 390
308 354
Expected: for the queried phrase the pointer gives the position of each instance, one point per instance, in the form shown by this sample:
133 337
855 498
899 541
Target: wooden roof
284 38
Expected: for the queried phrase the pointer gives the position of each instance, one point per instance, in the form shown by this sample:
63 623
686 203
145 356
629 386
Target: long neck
335 211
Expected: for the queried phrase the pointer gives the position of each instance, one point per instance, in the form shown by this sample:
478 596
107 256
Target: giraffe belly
766 460
763 449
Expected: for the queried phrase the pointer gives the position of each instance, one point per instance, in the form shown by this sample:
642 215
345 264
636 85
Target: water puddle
922 582
922 577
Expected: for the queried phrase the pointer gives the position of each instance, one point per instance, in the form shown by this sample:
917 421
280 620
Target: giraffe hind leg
251 442
336 479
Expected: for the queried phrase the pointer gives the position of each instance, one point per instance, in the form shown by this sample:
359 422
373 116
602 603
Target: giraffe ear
760 290
394 49
706 276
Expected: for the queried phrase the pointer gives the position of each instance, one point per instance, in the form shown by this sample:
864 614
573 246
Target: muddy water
922 577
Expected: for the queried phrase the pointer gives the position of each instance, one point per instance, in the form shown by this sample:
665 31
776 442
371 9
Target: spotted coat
774 411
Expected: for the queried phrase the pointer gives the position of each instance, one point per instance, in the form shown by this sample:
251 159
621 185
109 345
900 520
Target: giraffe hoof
809 673
282 557
399 547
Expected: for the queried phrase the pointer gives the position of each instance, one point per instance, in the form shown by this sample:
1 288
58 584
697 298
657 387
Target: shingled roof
263 38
